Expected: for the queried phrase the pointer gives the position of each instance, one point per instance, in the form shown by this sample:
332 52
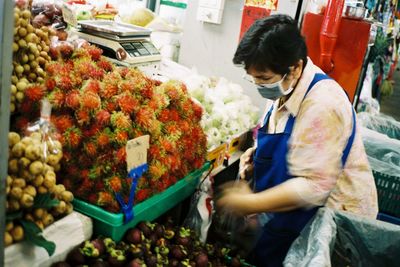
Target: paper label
136 151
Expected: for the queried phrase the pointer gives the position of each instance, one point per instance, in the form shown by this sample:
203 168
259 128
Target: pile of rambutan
98 107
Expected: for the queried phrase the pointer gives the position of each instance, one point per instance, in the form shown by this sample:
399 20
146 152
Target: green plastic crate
388 193
112 224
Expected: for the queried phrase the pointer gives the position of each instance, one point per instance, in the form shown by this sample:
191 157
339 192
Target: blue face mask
274 91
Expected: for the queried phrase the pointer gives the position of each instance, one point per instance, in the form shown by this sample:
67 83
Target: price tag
136 151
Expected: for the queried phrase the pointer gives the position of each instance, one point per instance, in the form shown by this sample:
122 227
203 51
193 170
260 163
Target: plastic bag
239 233
336 238
380 123
200 213
383 152
47 133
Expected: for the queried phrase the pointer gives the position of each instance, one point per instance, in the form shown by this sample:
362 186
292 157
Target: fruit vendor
309 152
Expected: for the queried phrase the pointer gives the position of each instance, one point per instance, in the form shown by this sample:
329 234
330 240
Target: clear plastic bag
380 123
46 133
336 238
383 152
240 233
200 213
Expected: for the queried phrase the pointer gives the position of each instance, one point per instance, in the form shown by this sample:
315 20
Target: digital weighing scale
125 44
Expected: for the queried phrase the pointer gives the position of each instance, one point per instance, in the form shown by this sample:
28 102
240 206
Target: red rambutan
144 117
26 107
62 122
73 137
156 169
120 120
198 111
142 194
164 116
127 103
92 86
103 139
121 154
34 92
108 90
174 115
96 74
73 99
50 84
94 52
90 100
121 137
22 123
66 50
105 64
90 148
82 116
104 198
64 83
115 184
57 99
102 117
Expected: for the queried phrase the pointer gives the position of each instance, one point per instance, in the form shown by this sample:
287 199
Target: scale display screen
140 48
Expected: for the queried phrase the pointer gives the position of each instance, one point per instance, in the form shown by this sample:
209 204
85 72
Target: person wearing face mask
308 153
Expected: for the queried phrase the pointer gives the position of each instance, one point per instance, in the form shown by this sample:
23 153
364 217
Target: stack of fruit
97 108
151 245
32 180
30 55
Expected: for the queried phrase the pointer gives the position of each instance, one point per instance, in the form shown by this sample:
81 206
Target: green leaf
45 201
33 234
13 216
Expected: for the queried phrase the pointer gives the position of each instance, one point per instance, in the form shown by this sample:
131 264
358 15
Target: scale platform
126 43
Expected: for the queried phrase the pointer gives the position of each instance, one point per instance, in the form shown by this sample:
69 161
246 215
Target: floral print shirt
322 128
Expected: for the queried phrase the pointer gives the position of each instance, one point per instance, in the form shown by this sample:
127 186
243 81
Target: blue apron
270 169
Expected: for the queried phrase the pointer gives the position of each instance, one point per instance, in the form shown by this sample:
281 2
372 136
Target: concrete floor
391 105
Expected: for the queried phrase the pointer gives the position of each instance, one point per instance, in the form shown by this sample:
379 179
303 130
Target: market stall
115 149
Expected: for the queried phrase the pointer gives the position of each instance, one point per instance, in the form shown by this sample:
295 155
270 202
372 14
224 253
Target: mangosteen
173 263
75 257
99 263
210 249
183 237
151 260
178 252
145 227
153 239
61 264
134 236
162 242
135 263
135 251
98 243
122 246
169 234
201 260
235 262
159 230
109 243
116 258
89 250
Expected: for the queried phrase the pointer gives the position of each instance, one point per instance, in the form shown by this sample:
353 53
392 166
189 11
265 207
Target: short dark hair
273 43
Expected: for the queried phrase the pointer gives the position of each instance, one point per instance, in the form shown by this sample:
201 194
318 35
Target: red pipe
329 33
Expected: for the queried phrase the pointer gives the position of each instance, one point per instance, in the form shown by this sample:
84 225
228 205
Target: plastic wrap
383 152
336 238
380 123
200 213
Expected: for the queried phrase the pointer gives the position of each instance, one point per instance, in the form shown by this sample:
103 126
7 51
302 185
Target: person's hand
233 197
246 163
